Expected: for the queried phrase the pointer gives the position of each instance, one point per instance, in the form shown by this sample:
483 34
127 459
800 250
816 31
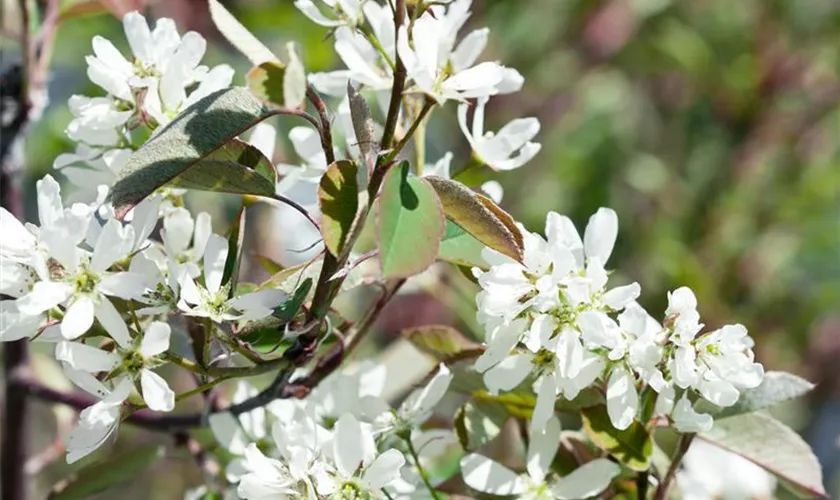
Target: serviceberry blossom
508 149
539 483
69 275
146 90
210 300
98 422
442 70
346 12
537 303
135 360
417 408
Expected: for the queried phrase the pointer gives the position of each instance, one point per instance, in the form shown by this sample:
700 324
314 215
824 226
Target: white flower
267 478
347 12
355 390
365 65
211 300
97 422
726 365
137 359
82 281
97 121
359 470
687 420
89 167
488 476
508 149
440 69
417 408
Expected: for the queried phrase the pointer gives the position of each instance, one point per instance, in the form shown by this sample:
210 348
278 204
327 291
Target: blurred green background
710 126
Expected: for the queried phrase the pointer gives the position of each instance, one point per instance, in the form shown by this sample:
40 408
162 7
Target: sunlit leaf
338 197
101 476
460 247
479 217
440 341
772 445
777 387
632 446
204 131
410 223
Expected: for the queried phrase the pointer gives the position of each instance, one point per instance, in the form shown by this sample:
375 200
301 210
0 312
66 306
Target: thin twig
682 447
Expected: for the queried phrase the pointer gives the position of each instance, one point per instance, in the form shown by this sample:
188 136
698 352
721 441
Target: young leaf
100 476
177 151
338 197
460 247
479 217
236 238
776 388
633 446
478 422
410 223
772 445
287 310
440 341
294 80
363 127
266 81
239 36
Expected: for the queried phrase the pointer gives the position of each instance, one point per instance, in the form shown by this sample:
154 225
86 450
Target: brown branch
682 447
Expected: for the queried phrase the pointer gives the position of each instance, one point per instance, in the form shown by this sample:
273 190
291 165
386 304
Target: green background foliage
711 127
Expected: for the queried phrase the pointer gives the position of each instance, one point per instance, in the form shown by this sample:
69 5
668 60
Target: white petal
139 36
546 389
600 235
493 190
509 373
215 255
87 358
586 481
86 381
687 420
156 392
424 400
384 470
227 431
156 339
78 319
482 76
622 398
620 296
719 392
178 225
263 137
44 296
114 243
125 285
112 322
469 49
485 475
542 447
348 445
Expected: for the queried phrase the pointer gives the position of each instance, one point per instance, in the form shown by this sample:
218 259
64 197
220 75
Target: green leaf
204 131
239 36
236 238
266 81
101 476
410 223
460 247
633 446
338 197
440 341
287 310
479 217
777 387
294 80
772 445
479 422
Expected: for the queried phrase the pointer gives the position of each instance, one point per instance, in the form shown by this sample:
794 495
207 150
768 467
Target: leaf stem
682 447
423 474
427 106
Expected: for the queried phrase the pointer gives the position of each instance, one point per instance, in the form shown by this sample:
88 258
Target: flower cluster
83 275
552 320
144 92
343 440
